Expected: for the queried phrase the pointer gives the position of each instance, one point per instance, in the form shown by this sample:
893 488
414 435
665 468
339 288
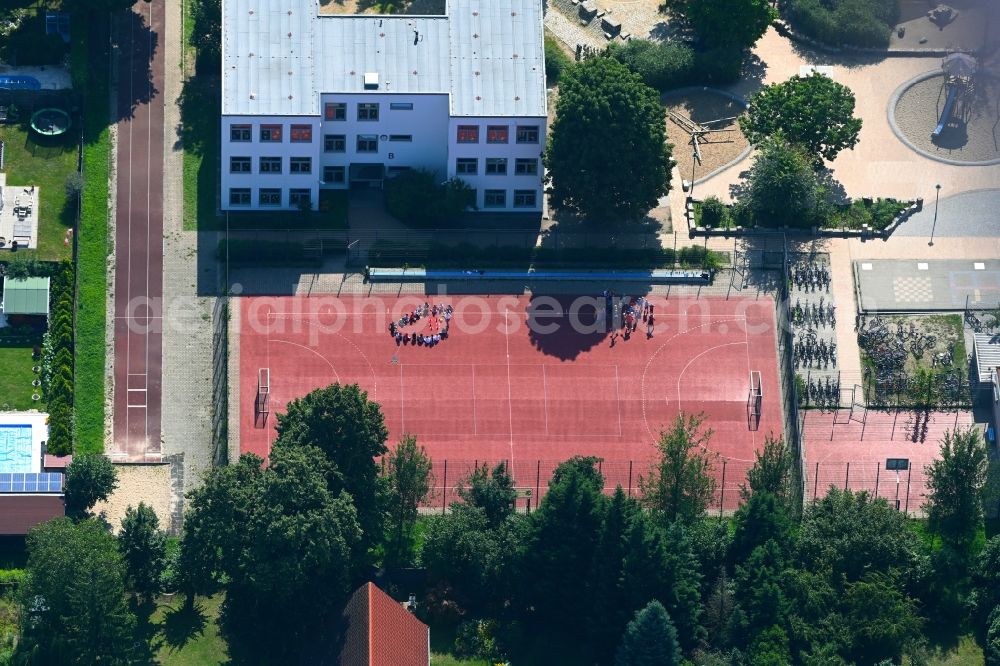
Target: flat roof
26 296
279 56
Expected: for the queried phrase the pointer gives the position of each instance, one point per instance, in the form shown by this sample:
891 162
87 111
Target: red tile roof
380 632
19 513
56 462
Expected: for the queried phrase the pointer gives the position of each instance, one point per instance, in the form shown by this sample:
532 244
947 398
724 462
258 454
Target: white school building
313 101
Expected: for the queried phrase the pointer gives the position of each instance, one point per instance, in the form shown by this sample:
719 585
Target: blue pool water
15 448
20 83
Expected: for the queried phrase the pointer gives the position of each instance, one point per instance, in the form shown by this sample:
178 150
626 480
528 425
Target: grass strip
91 45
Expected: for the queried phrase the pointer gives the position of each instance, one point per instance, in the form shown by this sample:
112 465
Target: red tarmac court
497 390
139 235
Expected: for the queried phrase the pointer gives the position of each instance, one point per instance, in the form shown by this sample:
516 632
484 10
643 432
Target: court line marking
402 393
510 397
753 433
545 399
475 428
149 142
618 401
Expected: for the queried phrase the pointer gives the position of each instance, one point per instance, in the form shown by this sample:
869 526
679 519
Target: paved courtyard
892 285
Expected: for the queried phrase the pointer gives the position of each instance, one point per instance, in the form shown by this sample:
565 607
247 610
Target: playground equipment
698 131
50 122
958 71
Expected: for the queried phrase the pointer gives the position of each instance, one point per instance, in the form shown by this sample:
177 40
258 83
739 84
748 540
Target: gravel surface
703 106
919 108
139 483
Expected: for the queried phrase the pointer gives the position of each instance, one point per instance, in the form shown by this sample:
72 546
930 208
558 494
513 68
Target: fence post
444 487
630 478
878 471
538 477
909 473
816 480
847 476
722 494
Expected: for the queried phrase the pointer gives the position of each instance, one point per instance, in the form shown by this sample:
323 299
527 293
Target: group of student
438 321
637 308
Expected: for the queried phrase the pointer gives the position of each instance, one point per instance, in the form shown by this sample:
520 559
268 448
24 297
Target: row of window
304 133
269 196
367 111
464 166
364 143
271 165
495 166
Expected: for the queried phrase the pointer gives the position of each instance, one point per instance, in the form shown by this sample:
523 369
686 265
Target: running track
139 236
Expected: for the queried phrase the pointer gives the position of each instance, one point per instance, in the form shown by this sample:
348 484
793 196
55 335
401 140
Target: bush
74 184
718 65
57 361
661 65
556 60
417 197
862 23
714 213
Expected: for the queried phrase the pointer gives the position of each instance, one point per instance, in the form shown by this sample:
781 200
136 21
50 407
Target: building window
269 196
496 166
239 196
468 134
333 174
301 134
240 133
494 198
300 198
525 167
270 165
401 106
335 111
239 165
334 143
401 137
270 133
496 134
524 198
527 134
367 143
300 165
368 111
467 166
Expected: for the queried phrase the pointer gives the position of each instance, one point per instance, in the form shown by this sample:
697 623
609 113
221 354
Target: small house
25 301
379 631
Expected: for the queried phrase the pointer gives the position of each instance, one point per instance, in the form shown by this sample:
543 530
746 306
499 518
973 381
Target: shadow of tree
136 44
182 624
566 326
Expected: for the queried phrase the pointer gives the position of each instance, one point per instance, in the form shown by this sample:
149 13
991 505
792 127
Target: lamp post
694 161
937 198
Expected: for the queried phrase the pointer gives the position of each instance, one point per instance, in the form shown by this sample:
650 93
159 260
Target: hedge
90 60
57 362
862 23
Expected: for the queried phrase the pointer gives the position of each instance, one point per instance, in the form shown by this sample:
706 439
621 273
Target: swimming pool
20 83
15 448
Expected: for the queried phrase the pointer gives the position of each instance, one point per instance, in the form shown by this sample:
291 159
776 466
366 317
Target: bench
657 276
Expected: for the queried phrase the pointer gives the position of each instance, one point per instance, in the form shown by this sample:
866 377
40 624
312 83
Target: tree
650 639
556 60
280 544
986 581
733 24
560 546
350 431
418 197
850 534
882 620
761 518
782 188
770 472
813 112
89 479
97 6
605 113
760 593
661 65
993 639
492 491
144 549
409 484
955 484
73 601
680 485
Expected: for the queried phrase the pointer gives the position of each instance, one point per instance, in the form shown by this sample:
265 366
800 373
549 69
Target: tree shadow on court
566 326
133 37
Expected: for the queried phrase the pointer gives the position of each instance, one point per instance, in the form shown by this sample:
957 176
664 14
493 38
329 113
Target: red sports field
530 380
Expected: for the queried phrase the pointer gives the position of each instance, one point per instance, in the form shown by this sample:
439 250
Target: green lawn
15 380
30 159
181 638
93 248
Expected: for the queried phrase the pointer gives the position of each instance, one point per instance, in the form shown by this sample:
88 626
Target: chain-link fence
220 380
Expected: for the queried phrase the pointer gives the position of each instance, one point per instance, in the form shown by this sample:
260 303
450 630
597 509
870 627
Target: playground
951 114
702 126
531 380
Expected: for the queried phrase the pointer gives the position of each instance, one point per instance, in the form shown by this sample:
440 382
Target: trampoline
50 122
20 83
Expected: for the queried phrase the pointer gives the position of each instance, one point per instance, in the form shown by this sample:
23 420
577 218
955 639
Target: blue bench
658 276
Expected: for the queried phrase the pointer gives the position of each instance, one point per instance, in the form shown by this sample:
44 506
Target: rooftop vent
371 80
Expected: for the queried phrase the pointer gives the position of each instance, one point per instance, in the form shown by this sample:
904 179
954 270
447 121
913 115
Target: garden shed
25 296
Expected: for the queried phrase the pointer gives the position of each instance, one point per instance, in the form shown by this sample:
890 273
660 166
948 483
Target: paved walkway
966 214
138 283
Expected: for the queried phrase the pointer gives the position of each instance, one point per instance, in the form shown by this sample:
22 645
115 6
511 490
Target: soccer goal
262 401
755 399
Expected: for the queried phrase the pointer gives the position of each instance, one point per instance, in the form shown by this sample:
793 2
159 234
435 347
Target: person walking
649 327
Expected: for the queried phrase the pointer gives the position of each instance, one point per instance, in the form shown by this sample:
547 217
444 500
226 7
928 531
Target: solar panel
22 482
